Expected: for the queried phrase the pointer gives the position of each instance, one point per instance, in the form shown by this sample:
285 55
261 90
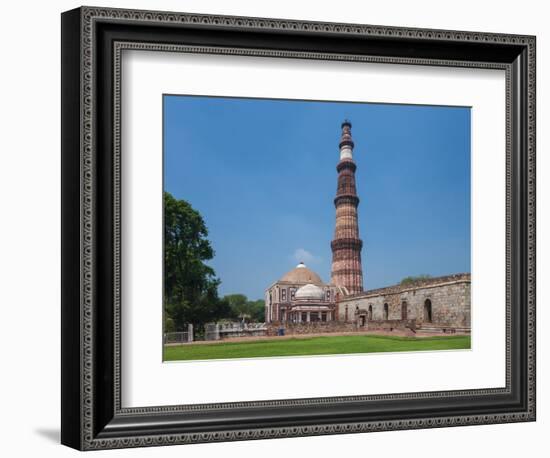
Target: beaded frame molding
92 42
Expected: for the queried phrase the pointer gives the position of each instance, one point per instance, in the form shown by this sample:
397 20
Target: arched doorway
386 311
370 312
404 310
427 311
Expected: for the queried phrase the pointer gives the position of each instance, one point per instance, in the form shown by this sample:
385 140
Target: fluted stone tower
347 271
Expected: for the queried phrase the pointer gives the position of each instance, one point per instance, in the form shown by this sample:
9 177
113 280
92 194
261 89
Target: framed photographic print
276 228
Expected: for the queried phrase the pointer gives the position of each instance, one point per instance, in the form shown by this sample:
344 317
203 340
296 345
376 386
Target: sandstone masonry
435 304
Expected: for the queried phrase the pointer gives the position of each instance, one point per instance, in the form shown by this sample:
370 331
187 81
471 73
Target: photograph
282 222
314 227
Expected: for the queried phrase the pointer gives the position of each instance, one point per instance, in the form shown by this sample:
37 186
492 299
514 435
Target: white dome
310 292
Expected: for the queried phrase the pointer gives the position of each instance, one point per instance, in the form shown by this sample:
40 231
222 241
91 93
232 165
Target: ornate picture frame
93 416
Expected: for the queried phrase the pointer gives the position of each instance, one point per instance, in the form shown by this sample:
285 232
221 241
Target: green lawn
329 345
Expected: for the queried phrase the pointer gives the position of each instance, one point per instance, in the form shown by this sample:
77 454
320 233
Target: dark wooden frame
92 40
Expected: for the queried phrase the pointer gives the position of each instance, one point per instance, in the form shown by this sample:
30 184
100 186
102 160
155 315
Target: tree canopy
243 309
190 285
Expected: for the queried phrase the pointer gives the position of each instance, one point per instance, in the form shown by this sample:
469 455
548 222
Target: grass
326 345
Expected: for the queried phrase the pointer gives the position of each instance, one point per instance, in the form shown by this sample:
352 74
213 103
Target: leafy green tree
257 310
414 278
243 309
190 285
169 325
238 303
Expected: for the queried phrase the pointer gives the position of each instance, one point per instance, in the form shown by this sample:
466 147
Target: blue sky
263 175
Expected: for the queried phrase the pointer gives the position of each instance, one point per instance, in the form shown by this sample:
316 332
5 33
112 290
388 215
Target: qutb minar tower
346 246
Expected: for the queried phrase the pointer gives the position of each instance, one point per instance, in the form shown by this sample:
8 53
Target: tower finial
346 142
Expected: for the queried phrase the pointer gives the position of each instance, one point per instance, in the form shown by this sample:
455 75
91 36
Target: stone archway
404 312
427 311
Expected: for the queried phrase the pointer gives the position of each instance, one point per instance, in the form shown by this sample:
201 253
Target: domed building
300 296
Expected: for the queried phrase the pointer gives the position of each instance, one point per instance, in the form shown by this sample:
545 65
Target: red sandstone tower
346 246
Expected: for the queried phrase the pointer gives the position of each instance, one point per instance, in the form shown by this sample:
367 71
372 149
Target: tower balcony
346 244
346 199
348 164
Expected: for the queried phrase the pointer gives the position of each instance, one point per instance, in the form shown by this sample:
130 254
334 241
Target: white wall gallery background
30 225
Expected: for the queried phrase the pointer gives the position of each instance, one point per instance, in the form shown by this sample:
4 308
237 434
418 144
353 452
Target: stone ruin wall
292 329
449 296
311 328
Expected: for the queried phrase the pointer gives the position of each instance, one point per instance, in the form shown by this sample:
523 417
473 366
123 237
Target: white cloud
302 255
